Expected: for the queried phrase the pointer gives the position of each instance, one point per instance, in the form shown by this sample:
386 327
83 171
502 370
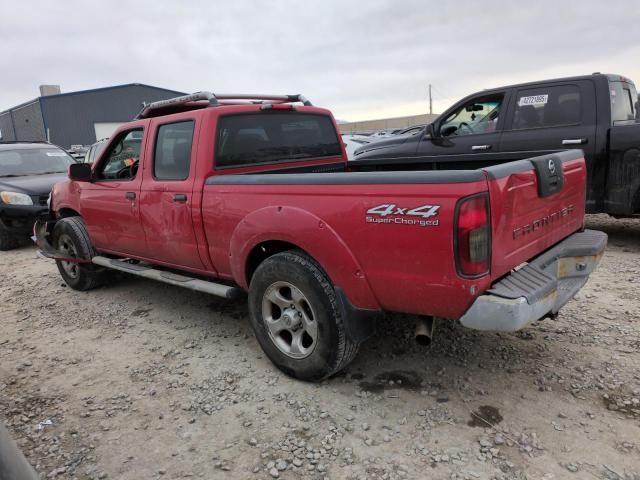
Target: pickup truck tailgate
537 215
535 203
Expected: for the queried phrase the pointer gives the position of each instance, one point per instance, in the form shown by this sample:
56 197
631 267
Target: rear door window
172 157
272 137
547 107
623 101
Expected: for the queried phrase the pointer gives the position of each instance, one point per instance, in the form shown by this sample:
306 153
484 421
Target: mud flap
359 323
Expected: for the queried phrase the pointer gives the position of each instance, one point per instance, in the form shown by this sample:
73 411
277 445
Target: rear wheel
7 241
71 238
296 318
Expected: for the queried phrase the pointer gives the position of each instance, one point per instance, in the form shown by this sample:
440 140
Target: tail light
472 236
277 106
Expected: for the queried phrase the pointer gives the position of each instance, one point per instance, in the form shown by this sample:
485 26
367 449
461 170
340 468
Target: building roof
25 145
91 90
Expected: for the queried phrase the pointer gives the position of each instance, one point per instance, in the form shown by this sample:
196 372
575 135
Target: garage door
105 129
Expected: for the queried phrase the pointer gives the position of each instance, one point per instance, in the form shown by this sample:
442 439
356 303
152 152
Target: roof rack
208 99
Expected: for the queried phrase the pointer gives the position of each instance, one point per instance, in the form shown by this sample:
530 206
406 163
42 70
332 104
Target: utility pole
430 101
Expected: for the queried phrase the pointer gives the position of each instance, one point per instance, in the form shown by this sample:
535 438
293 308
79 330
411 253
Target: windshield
33 161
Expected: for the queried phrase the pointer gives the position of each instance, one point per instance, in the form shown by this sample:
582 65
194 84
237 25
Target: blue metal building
78 118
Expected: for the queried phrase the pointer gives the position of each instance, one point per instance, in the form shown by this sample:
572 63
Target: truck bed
372 248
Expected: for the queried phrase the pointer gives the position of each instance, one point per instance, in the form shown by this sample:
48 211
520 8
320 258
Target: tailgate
535 203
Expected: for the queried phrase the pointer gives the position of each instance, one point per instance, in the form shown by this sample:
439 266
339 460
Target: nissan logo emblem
552 167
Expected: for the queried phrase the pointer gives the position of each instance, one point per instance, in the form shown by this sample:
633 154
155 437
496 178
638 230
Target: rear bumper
540 288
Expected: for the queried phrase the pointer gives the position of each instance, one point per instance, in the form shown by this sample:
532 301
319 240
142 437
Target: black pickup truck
597 113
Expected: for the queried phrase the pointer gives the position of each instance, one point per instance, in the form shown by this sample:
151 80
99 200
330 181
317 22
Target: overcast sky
362 59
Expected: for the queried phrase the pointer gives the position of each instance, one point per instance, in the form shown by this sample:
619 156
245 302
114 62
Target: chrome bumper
540 288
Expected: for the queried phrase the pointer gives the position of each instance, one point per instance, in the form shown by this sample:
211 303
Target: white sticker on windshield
56 154
533 100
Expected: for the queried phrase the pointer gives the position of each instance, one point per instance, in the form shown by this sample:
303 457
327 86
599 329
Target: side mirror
80 172
449 130
430 132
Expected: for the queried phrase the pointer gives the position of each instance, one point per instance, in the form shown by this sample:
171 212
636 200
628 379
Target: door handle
574 141
476 148
130 195
180 197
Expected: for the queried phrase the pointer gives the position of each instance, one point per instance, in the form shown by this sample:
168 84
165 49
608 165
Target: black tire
7 241
332 349
70 236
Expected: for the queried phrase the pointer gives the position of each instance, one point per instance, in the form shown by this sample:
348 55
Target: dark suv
28 171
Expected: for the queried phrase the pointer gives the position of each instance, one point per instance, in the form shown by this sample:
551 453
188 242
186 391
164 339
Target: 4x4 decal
394 214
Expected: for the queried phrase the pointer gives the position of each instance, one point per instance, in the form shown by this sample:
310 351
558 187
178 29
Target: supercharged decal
390 213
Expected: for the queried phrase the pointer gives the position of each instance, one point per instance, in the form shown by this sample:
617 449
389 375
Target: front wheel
296 318
71 238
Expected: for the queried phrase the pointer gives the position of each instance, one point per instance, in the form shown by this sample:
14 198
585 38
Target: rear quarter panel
379 261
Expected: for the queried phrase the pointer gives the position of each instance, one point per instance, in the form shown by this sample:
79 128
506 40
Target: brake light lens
473 236
277 106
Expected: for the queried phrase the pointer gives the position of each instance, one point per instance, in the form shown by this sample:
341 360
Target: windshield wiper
47 173
11 175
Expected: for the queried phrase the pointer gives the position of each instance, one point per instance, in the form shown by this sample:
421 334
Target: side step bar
191 283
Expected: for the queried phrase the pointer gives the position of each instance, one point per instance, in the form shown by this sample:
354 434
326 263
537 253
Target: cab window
475 117
623 101
123 155
547 107
271 137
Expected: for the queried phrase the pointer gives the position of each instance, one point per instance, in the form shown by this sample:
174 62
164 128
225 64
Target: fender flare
313 235
64 196
65 207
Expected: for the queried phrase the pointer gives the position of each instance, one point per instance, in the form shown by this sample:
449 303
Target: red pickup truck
228 193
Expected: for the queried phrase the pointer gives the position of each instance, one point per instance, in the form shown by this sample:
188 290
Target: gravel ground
139 380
